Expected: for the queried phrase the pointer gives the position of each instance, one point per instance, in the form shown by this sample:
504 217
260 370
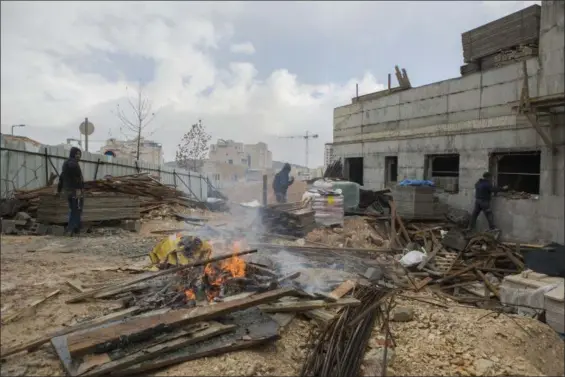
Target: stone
131 225
9 227
57 230
373 273
22 216
403 314
482 366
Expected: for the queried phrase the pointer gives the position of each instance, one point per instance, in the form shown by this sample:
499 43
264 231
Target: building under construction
505 114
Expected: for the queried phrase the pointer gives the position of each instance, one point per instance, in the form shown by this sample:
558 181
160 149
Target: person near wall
483 195
71 185
282 182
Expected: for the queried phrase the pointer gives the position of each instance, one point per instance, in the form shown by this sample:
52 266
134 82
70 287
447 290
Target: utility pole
306 138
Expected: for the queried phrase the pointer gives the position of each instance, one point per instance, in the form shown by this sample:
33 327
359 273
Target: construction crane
306 138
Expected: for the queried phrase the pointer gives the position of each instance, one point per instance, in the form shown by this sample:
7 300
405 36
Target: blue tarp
416 182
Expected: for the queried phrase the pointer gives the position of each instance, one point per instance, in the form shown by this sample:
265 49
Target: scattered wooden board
34 344
299 306
76 285
343 289
320 316
87 342
33 305
159 349
212 349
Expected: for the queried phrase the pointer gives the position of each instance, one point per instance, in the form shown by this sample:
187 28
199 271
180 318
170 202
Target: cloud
64 61
243 48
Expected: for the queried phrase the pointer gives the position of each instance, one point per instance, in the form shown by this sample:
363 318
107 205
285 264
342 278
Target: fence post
201 184
175 177
46 168
96 169
137 167
265 190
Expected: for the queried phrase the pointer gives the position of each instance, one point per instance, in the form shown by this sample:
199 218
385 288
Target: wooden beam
534 122
34 344
159 349
343 289
80 344
204 351
301 306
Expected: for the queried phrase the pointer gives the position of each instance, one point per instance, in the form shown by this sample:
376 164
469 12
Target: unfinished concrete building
504 115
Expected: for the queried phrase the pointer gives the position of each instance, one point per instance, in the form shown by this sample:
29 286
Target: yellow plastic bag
168 251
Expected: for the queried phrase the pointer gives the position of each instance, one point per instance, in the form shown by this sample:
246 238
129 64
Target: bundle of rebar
340 348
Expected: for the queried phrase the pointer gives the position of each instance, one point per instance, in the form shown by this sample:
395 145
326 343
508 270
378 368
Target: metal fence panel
24 165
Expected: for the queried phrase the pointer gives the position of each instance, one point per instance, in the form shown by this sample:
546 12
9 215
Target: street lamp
17 125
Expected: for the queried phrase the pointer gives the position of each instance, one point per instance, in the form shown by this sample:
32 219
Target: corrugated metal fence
24 165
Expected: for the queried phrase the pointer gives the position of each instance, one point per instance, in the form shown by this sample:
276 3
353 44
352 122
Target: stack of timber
519 28
288 219
151 193
54 209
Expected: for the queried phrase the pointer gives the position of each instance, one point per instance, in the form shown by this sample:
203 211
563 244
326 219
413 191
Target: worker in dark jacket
281 183
483 193
71 185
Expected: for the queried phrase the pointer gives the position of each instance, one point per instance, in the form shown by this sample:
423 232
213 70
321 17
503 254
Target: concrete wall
471 116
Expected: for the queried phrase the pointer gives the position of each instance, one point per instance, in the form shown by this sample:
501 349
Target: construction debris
291 219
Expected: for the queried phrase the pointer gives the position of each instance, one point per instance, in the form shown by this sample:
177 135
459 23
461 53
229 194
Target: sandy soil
453 341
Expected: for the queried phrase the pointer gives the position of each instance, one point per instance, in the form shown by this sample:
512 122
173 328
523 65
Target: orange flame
216 274
189 293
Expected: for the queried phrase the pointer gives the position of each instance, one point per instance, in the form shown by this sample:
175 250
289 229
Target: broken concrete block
403 314
39 229
57 230
455 240
22 216
373 273
9 226
131 225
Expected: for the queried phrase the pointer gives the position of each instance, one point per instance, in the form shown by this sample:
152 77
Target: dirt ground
457 340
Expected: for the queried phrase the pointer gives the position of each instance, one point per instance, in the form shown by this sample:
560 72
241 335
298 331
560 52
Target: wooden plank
94 292
422 283
320 316
300 306
159 349
343 289
31 306
76 285
205 351
87 342
488 284
34 344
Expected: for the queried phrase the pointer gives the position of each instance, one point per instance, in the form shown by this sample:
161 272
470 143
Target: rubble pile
288 219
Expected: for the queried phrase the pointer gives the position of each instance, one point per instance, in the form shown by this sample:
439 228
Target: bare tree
193 148
141 115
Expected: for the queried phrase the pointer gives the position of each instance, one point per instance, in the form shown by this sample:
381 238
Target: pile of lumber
503 41
139 340
288 219
54 209
151 193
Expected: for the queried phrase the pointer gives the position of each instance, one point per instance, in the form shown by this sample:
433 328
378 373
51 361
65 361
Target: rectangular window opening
391 171
443 170
520 171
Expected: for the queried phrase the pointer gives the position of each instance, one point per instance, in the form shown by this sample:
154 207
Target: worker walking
71 185
483 194
282 182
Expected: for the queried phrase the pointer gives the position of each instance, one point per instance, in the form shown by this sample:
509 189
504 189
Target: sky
251 71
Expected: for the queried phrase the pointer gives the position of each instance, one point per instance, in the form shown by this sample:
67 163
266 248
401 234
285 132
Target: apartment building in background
149 151
328 154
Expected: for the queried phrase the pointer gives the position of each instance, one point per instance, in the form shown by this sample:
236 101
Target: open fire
216 274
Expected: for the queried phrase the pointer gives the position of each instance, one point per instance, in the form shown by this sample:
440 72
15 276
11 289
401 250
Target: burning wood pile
204 308
152 193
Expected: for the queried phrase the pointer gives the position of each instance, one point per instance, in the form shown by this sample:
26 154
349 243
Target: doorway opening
391 170
354 169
